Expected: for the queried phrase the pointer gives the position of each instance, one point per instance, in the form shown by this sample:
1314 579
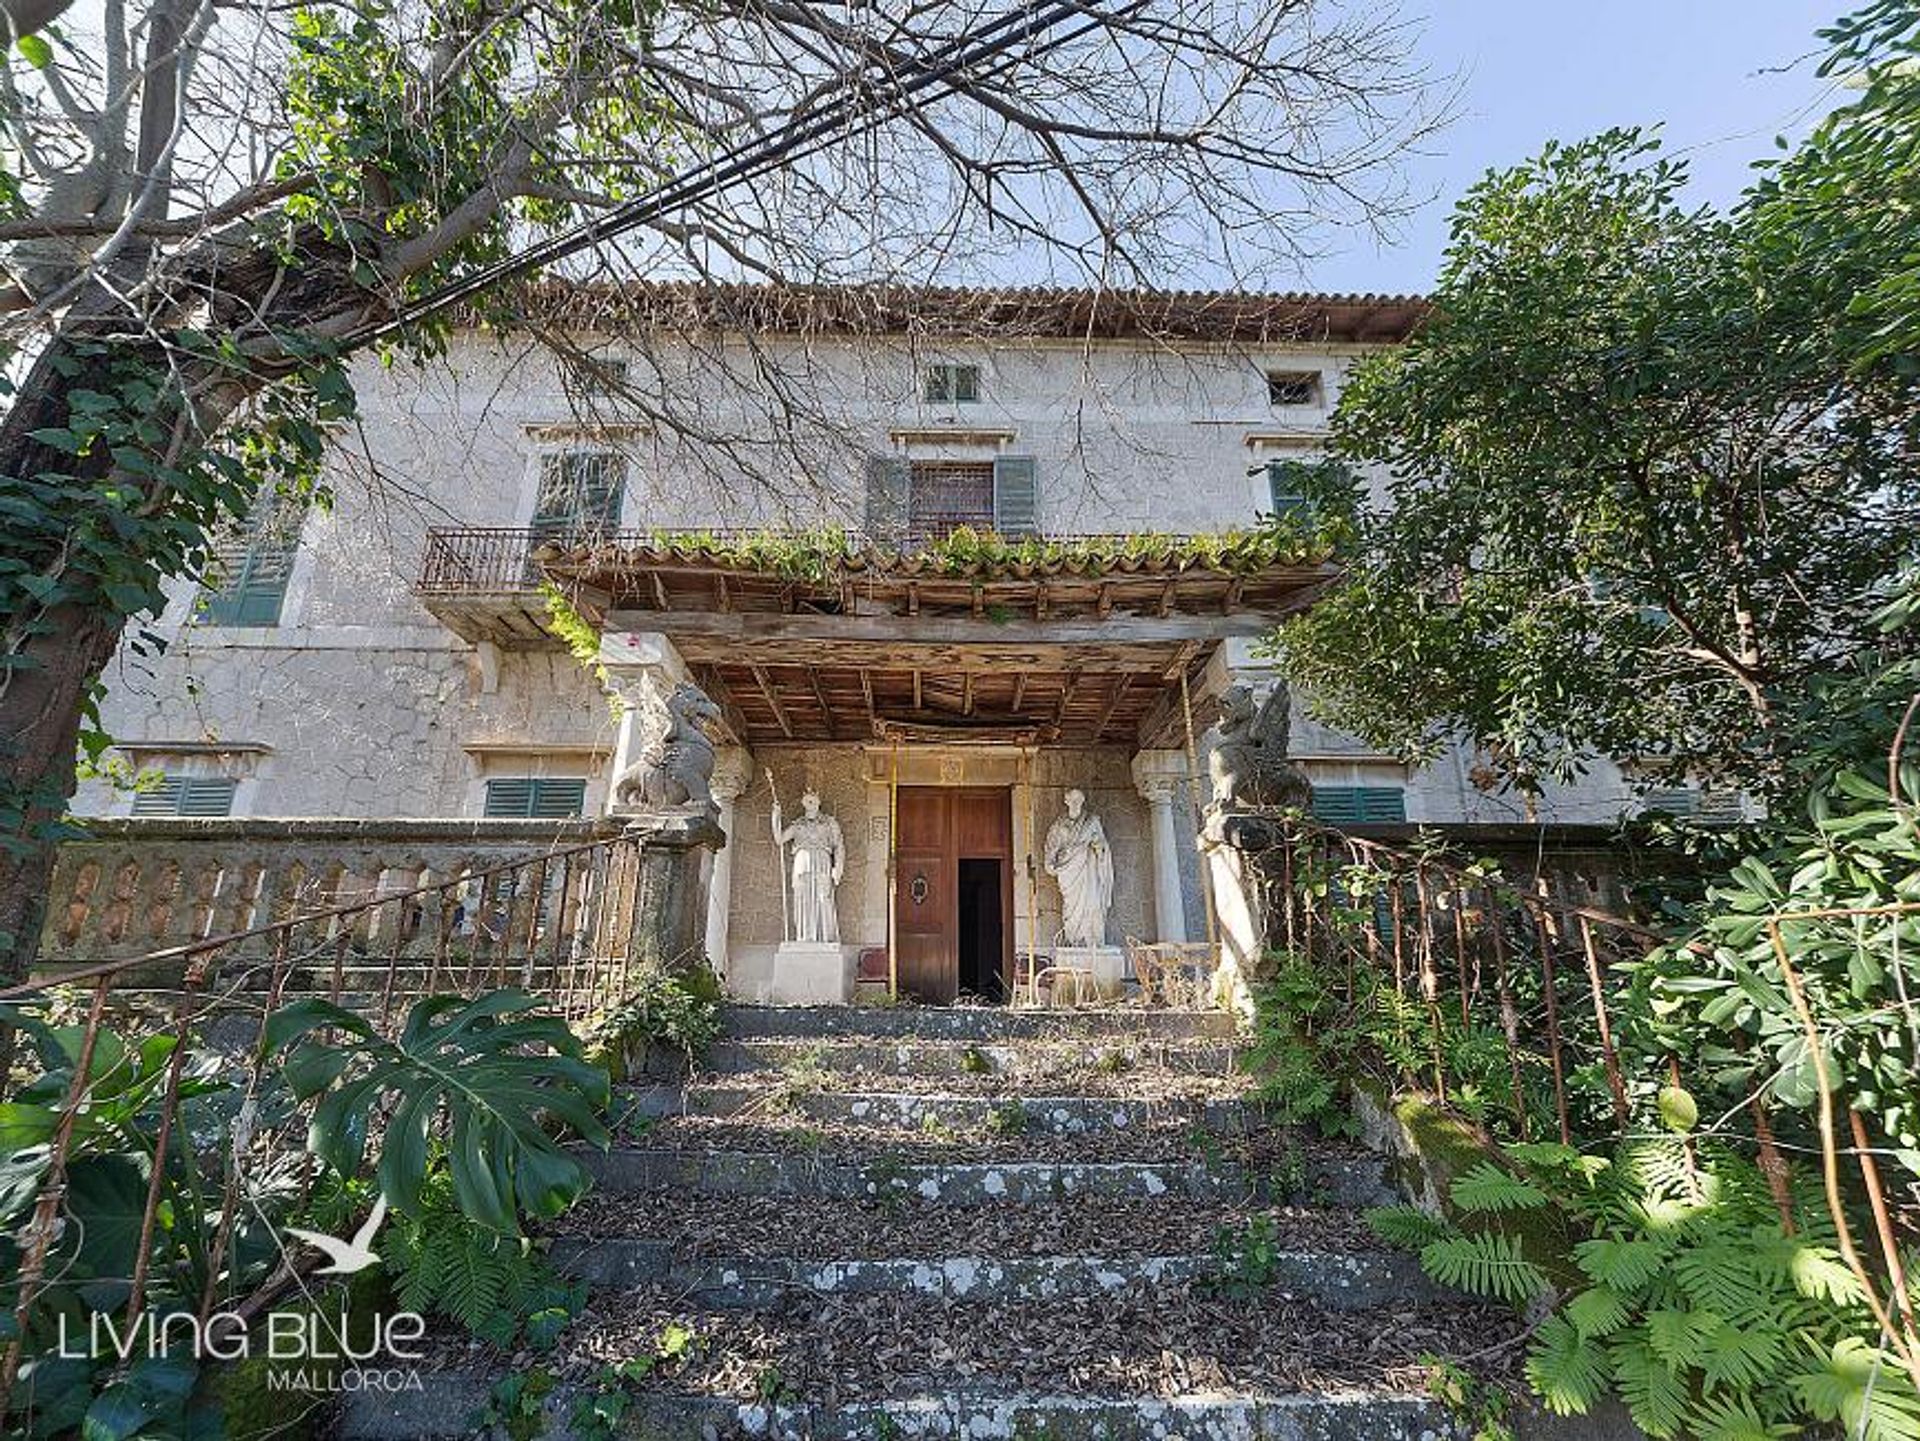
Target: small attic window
953 384
596 375
1293 387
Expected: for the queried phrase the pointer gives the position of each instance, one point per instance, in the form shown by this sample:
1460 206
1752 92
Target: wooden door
938 826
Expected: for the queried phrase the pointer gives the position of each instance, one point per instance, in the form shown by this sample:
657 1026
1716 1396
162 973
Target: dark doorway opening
982 916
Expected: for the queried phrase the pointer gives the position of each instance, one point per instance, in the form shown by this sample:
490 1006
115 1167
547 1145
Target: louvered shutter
1360 805
889 495
1016 495
1673 800
556 799
252 564
530 798
158 800
187 796
509 798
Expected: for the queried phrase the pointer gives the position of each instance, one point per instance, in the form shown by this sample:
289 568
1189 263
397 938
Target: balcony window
580 494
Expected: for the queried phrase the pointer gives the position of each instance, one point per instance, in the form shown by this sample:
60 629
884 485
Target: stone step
1005 1115
970 1023
1112 1057
905 1227
1336 1281
1328 1180
446 1402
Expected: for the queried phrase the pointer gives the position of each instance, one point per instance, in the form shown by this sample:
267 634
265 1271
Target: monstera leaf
492 1069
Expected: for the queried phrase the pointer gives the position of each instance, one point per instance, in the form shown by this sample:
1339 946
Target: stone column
1157 776
732 771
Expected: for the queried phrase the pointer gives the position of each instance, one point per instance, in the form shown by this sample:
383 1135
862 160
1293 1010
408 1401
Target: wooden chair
1172 973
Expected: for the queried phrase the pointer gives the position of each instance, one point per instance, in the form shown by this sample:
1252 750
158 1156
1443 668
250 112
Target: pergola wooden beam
1120 688
812 629
773 701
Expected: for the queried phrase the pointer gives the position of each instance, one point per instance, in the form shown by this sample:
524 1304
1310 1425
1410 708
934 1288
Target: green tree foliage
1648 472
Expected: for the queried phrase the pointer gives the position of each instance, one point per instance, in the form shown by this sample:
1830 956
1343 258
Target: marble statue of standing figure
819 861
1080 860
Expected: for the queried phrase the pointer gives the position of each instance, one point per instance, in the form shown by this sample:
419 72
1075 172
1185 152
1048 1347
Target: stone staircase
977 1223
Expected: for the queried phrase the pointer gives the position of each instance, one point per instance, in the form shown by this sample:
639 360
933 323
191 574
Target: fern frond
1568 1371
1486 1265
1820 1275
1655 1395
1624 1264
1487 1188
1597 1311
1679 1337
1862 1388
1734 1418
1408 1227
1737 1357
1725 1276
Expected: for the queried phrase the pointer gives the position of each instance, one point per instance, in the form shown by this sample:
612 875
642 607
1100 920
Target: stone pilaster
732 773
1158 775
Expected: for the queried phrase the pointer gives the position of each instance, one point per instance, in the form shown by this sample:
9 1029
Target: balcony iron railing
498 560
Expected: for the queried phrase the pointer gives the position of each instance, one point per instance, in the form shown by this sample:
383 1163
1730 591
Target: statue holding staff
1080 860
819 861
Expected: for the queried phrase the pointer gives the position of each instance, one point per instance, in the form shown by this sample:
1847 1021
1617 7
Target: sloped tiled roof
1031 311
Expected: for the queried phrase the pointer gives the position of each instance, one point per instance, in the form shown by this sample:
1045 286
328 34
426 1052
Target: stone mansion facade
392 656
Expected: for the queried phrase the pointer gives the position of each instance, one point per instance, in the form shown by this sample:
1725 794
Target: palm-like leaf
492 1066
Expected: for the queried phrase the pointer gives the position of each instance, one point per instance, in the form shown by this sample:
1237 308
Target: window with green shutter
175 795
534 798
1359 805
1016 495
247 573
580 493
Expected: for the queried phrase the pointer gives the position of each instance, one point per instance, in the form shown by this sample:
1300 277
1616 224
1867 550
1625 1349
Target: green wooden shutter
534 798
187 796
252 565
1016 495
556 799
1360 805
1286 488
889 495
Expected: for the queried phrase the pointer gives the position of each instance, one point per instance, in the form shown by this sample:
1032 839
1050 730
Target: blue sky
1721 74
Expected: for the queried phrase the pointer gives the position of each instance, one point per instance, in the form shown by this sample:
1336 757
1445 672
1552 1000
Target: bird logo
345 1258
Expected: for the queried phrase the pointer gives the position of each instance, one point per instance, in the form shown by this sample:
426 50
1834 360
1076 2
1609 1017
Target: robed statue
1080 860
819 861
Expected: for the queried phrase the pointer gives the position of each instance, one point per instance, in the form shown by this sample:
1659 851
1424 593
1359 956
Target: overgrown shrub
1687 1295
665 1013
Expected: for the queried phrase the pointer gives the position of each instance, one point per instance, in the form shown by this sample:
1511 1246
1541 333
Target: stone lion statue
675 770
1248 763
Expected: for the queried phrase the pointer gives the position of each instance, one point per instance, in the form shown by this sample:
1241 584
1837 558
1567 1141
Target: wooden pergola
880 646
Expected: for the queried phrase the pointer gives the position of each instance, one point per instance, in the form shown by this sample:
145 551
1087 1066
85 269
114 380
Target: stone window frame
193 760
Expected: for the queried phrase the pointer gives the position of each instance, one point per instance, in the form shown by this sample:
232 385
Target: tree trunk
52 674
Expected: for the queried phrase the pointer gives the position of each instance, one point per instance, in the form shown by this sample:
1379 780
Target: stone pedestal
667 925
1106 964
813 973
1233 845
